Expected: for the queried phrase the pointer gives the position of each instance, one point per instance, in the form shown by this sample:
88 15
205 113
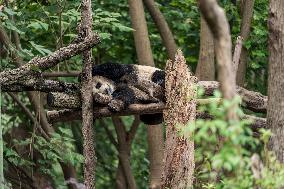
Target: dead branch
22 75
61 74
34 82
252 100
67 115
135 109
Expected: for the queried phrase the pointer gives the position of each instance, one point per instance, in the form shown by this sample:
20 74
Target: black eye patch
98 85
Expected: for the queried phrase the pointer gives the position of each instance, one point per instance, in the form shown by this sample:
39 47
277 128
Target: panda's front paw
116 105
101 98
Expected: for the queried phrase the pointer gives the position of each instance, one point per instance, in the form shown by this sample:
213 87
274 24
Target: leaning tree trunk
218 24
145 57
275 109
247 13
205 70
163 28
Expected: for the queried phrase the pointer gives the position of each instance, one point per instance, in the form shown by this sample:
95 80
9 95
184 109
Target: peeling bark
179 150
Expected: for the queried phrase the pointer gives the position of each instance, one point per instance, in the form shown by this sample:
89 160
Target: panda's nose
109 91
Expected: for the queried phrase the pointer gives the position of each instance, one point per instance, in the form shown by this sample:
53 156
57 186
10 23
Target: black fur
112 71
152 119
158 77
123 93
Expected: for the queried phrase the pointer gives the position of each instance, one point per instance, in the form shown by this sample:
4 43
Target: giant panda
129 84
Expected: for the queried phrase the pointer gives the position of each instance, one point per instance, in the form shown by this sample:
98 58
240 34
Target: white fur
107 85
145 72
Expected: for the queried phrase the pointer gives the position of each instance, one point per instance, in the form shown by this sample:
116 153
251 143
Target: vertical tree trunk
179 150
124 147
205 70
163 28
1 140
120 182
85 29
145 57
247 13
275 109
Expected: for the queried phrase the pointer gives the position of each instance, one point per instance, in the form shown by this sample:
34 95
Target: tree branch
66 115
61 74
22 75
250 99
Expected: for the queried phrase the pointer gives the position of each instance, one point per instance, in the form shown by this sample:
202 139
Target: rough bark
133 109
205 70
37 64
85 29
179 150
275 109
145 57
247 13
61 74
163 28
71 115
218 24
34 82
251 100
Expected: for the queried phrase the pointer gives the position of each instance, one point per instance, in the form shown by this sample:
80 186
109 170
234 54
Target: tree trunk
120 182
205 70
275 109
163 28
85 29
145 57
180 109
217 21
247 13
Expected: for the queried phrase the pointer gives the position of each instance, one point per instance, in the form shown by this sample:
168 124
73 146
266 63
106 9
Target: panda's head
103 85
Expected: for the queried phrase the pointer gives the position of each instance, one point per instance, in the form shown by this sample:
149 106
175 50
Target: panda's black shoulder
113 71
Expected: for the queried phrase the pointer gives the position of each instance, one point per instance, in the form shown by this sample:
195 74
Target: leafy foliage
224 150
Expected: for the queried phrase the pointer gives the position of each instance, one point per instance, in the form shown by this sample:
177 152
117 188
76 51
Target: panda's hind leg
123 96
